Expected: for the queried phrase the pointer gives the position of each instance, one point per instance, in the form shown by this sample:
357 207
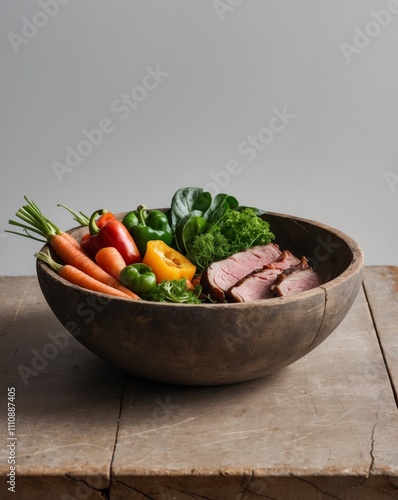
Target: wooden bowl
210 344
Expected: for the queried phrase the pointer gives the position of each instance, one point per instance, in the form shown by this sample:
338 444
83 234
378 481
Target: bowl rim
356 266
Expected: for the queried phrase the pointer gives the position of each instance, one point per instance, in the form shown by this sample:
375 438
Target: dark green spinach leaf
220 204
188 200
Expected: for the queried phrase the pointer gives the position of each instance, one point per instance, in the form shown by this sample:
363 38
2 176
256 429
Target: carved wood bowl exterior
212 344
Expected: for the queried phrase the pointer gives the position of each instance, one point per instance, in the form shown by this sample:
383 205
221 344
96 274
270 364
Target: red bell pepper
104 218
113 233
101 221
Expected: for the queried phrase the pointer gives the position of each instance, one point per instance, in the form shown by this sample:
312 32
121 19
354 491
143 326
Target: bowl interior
329 251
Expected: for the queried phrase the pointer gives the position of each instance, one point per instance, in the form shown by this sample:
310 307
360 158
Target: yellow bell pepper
167 263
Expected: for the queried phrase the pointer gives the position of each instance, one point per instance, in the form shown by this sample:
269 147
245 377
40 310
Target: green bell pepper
139 278
145 226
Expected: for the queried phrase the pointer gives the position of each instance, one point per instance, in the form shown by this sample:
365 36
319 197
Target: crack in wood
372 458
111 474
131 488
245 487
310 347
372 438
307 481
104 492
394 390
254 493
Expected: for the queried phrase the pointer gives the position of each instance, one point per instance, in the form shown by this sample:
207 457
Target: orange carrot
77 258
196 281
190 285
77 277
111 261
69 252
71 240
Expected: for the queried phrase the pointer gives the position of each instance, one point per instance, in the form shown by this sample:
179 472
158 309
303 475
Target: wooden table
324 427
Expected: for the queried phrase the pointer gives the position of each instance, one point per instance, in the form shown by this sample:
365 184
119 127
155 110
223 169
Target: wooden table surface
324 427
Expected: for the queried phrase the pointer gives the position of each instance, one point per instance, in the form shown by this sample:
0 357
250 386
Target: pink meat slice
258 284
220 276
298 280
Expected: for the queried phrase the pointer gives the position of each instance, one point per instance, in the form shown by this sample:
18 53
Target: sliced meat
284 261
220 276
255 286
296 279
258 284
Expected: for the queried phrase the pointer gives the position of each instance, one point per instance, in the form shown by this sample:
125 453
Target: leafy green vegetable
244 229
193 210
187 200
209 247
220 204
194 226
208 229
187 228
174 291
237 231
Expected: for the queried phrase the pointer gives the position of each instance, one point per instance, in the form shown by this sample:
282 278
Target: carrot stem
26 235
35 220
45 257
79 217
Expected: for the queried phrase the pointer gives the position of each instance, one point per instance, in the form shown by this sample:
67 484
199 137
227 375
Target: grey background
230 65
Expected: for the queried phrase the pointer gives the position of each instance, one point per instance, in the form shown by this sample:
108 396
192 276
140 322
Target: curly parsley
244 229
174 291
235 232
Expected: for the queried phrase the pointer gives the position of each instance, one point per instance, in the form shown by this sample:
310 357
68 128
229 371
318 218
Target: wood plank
331 414
323 427
67 401
381 286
